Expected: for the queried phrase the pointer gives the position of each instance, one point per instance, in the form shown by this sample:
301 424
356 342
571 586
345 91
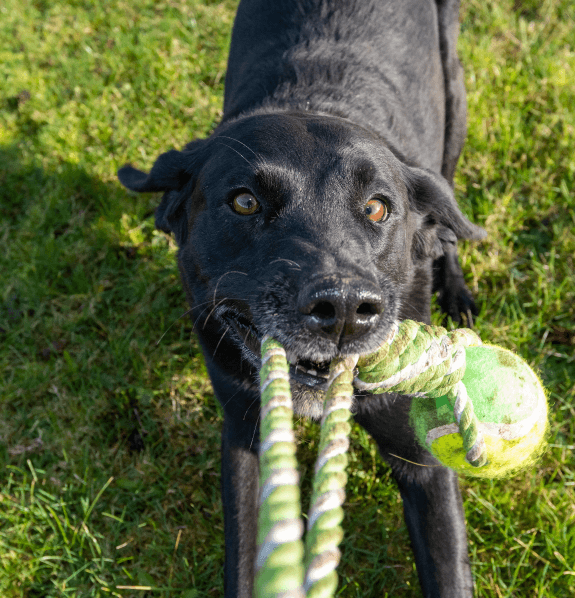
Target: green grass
109 431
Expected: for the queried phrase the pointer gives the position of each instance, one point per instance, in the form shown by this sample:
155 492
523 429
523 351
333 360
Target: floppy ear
167 174
172 173
432 196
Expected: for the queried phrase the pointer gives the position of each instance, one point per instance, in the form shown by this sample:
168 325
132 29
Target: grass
109 431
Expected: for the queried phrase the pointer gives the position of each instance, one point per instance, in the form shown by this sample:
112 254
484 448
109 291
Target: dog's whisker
168 328
250 406
221 277
240 142
408 304
200 315
235 150
255 430
213 310
209 302
233 396
188 311
246 336
221 339
198 318
283 259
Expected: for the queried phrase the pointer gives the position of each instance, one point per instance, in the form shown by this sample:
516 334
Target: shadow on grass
88 395
91 288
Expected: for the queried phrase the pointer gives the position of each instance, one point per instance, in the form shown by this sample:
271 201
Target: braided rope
279 560
324 532
414 359
418 359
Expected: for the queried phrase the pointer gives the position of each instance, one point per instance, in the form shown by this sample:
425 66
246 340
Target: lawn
109 430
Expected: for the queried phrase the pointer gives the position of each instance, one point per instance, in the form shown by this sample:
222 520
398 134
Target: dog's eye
245 204
377 210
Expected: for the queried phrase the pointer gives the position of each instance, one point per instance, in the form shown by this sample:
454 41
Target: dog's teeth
300 368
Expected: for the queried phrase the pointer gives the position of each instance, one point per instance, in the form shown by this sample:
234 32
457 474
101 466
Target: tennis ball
510 404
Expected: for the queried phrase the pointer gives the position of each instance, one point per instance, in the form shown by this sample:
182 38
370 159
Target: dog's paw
457 303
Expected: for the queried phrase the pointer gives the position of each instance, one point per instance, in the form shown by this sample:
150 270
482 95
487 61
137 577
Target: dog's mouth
310 373
313 374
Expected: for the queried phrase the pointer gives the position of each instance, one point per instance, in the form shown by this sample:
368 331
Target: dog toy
489 416
280 570
478 408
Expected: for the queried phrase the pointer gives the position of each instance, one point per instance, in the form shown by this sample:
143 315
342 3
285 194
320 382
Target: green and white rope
279 562
418 359
414 359
324 532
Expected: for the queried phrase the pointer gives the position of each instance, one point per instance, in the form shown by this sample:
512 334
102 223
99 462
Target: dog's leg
434 517
239 481
454 296
455 100
240 474
431 498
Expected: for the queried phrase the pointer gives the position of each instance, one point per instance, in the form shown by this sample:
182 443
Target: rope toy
479 409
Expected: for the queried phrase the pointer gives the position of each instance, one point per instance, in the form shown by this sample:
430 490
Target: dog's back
375 62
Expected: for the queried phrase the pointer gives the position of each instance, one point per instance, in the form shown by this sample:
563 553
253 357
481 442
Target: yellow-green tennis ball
510 404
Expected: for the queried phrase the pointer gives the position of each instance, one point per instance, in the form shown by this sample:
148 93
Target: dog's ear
167 174
433 197
175 173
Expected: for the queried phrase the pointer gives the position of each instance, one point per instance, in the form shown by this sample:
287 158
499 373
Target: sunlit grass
109 434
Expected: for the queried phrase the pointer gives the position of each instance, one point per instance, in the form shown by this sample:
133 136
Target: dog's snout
341 310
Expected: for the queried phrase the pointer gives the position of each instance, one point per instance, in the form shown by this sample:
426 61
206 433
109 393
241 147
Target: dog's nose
341 309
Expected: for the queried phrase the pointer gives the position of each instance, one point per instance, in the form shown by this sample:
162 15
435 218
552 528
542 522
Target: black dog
320 211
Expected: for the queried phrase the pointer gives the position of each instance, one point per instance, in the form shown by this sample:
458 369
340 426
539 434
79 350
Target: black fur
328 104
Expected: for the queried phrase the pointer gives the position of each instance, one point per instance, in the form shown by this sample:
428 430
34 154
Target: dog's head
304 227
